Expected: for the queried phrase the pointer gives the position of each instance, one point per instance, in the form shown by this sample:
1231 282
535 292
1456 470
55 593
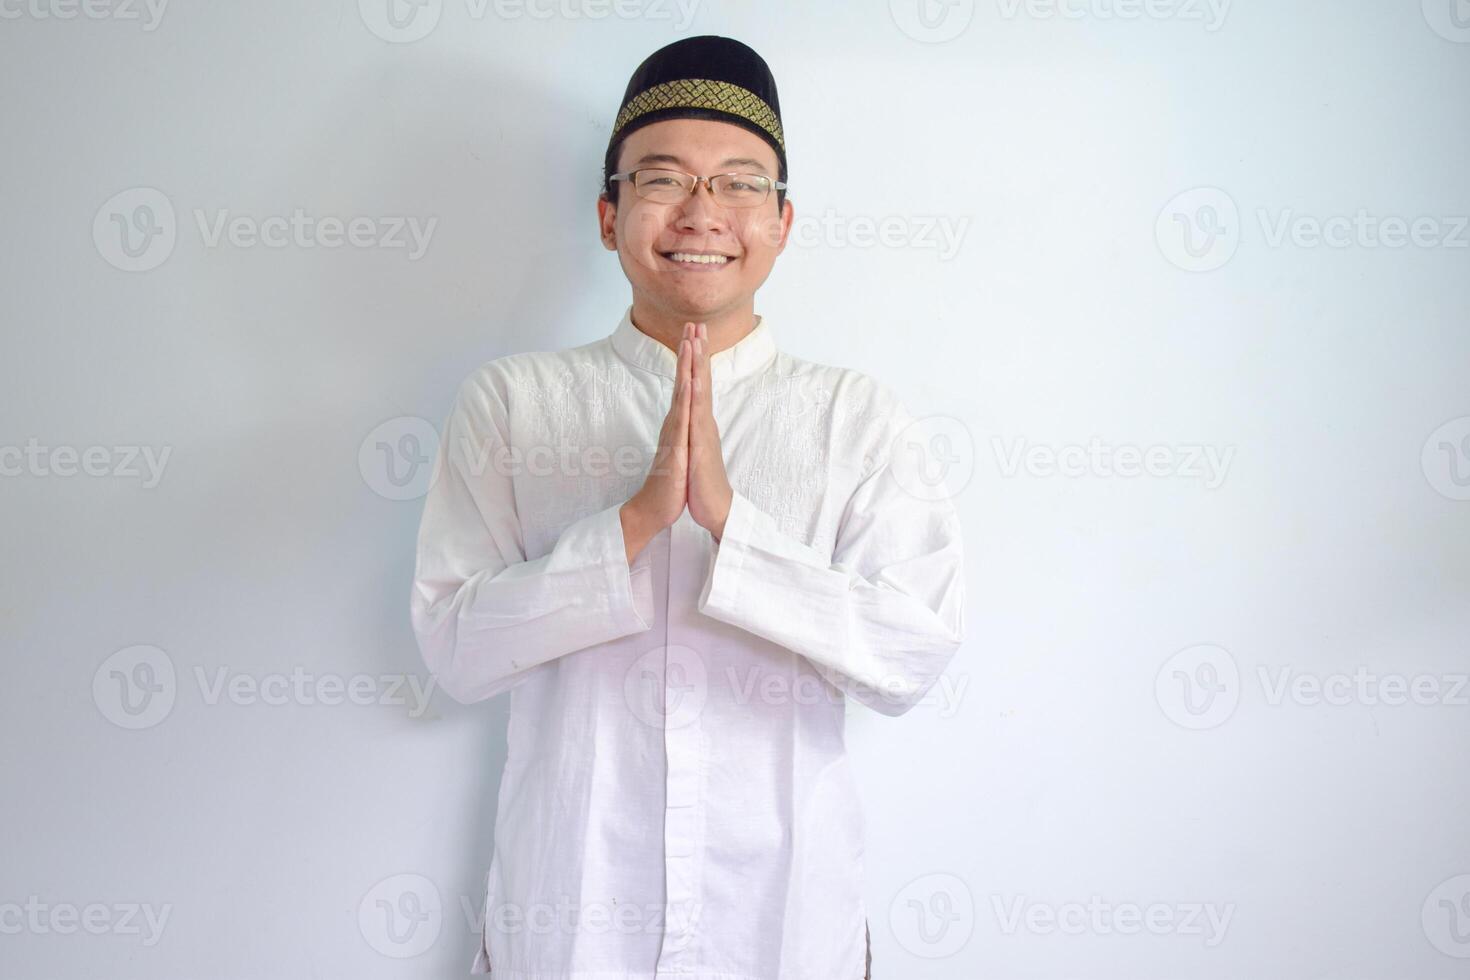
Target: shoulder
492 384
865 413
853 392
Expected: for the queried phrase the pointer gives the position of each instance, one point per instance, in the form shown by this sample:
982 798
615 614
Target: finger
686 409
676 394
689 338
670 436
694 368
682 409
701 368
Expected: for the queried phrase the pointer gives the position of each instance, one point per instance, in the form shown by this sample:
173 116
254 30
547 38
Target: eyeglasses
675 187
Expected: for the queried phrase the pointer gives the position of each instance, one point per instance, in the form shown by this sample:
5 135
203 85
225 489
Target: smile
695 260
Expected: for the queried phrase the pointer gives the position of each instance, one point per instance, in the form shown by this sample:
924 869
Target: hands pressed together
689 468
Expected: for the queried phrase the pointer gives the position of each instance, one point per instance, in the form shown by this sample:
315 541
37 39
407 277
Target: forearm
891 634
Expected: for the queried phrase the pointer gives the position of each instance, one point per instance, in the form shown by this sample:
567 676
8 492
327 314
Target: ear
607 222
788 214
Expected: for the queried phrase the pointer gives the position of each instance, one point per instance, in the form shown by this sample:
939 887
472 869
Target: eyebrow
731 162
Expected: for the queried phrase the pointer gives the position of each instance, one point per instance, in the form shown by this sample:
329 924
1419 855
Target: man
682 551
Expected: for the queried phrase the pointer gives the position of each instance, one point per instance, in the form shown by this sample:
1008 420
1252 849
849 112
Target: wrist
637 529
717 529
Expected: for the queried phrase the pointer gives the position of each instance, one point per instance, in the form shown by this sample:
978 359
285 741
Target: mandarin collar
749 354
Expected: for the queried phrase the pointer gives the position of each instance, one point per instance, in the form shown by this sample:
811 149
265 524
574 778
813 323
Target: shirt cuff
772 574
722 580
629 589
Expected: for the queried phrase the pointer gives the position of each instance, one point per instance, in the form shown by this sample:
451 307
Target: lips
698 260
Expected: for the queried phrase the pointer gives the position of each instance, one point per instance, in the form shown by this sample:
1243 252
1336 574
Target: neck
666 325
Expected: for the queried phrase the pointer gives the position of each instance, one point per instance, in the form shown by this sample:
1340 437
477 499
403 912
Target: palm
666 489
688 468
709 487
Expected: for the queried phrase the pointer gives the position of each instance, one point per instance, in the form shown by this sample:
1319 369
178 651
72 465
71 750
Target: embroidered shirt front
676 799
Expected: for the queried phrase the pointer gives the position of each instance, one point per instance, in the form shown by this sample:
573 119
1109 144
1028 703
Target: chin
690 298
703 304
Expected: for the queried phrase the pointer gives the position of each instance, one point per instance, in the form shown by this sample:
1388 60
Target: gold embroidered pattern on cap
703 93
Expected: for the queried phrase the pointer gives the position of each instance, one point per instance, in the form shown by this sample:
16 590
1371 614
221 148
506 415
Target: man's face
644 233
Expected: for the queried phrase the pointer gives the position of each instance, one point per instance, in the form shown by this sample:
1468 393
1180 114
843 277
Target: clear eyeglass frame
721 187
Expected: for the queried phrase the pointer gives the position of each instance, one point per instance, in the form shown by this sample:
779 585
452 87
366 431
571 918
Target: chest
584 438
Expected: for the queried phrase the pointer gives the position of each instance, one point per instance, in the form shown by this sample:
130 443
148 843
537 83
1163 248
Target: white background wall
1113 731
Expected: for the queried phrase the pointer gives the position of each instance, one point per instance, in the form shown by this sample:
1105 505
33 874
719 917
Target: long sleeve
484 616
884 617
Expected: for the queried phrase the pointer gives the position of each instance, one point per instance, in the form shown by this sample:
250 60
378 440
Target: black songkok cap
705 77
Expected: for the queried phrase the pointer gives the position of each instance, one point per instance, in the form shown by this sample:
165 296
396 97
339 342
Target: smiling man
684 552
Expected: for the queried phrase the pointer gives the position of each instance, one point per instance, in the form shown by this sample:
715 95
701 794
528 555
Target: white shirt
677 799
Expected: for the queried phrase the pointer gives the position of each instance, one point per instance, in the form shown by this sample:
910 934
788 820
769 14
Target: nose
700 209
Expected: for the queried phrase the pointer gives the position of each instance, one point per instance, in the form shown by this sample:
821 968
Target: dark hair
610 167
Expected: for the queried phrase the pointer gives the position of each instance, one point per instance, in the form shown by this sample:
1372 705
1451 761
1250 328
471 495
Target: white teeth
702 259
